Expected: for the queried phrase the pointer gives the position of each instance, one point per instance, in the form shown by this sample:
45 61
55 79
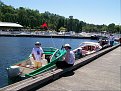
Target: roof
9 24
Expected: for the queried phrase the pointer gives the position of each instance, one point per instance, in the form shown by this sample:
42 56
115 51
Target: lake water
15 49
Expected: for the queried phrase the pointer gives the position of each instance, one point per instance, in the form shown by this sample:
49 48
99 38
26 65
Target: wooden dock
101 74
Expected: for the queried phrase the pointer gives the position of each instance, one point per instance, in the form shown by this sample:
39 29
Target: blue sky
90 11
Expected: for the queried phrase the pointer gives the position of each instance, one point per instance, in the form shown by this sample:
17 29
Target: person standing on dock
111 39
37 53
68 60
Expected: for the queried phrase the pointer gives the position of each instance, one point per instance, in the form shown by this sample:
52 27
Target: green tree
30 18
111 27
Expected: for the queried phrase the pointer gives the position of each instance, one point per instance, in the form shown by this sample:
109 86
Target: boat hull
27 68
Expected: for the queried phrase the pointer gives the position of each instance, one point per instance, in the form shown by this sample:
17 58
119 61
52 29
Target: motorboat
104 42
87 48
26 67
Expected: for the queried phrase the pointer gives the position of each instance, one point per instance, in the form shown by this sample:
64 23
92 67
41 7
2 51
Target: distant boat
26 68
96 37
87 48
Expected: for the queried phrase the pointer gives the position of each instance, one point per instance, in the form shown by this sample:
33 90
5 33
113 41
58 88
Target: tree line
33 19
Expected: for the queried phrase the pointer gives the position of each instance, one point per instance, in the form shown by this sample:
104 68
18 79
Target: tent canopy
9 24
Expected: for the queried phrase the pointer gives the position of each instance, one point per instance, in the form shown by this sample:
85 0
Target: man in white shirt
37 53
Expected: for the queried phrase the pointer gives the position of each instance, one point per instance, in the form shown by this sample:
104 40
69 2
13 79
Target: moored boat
104 42
26 68
87 48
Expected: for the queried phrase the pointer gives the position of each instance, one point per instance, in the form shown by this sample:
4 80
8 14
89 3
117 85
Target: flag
44 25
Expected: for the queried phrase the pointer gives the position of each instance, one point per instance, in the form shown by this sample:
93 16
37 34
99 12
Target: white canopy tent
9 24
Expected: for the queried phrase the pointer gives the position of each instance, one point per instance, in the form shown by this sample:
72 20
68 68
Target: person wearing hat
68 60
111 39
37 53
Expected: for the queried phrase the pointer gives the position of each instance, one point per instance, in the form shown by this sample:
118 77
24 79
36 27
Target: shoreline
48 36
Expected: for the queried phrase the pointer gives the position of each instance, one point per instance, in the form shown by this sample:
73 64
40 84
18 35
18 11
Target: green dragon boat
26 69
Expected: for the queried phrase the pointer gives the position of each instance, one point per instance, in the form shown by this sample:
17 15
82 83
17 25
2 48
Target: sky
90 11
